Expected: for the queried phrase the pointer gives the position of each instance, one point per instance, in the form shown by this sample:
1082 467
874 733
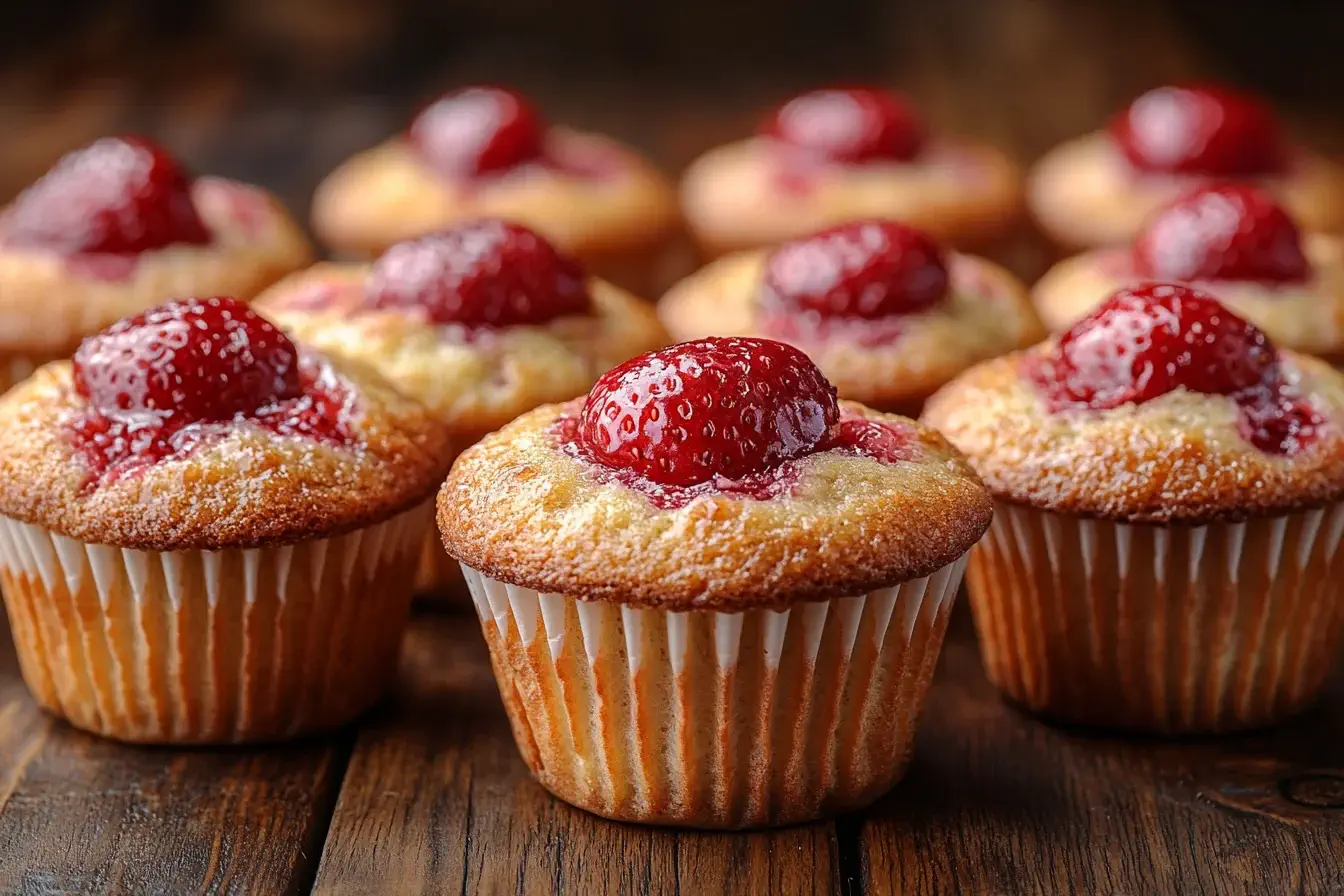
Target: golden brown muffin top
241 486
521 508
1180 457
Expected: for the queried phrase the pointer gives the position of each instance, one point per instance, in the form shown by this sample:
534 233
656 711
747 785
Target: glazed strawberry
1144 342
487 273
1223 232
1199 129
865 269
851 125
190 360
119 195
478 131
700 411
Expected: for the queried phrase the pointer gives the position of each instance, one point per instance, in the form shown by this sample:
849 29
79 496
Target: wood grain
83 815
436 800
998 802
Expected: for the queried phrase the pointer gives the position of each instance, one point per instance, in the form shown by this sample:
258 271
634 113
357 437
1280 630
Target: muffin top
719 474
487 152
118 226
835 155
480 322
1234 240
1160 406
1098 190
886 313
198 425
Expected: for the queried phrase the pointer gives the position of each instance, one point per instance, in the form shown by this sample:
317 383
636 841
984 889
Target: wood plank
997 802
436 799
83 815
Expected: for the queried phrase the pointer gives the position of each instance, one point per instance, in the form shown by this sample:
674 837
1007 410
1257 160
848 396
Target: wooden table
428 794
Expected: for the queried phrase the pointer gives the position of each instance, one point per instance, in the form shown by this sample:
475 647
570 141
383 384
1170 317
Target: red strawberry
117 195
1200 129
714 408
1222 232
1147 341
851 125
478 130
868 269
485 274
194 359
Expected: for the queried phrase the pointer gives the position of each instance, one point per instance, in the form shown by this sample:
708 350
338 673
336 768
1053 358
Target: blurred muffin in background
885 311
1234 239
841 154
118 226
1098 189
486 152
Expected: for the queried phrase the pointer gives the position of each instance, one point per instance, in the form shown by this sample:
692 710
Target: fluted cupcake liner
715 719
210 646
1173 628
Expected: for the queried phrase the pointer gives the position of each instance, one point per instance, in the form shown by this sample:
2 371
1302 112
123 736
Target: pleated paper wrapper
1172 628
210 646
713 719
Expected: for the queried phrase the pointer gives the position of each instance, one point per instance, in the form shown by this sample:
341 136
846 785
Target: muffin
886 313
1098 190
117 227
1165 548
206 534
485 152
1235 240
480 323
835 155
713 595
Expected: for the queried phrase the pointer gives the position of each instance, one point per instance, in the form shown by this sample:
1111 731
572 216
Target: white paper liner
1164 628
716 719
209 646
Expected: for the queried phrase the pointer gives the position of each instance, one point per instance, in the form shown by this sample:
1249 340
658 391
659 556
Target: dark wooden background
427 795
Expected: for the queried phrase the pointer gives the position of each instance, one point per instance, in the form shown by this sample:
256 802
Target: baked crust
474 385
250 488
387 194
47 304
985 314
519 509
1084 194
1177 458
963 194
1305 317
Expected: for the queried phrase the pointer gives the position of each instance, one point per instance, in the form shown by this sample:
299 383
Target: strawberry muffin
486 152
1099 189
119 226
1165 547
887 313
713 594
480 323
1236 240
835 155
208 534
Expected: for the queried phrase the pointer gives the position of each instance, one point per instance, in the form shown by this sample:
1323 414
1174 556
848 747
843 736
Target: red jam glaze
1200 130
166 381
848 125
1222 232
486 273
482 132
119 196
1145 342
716 416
